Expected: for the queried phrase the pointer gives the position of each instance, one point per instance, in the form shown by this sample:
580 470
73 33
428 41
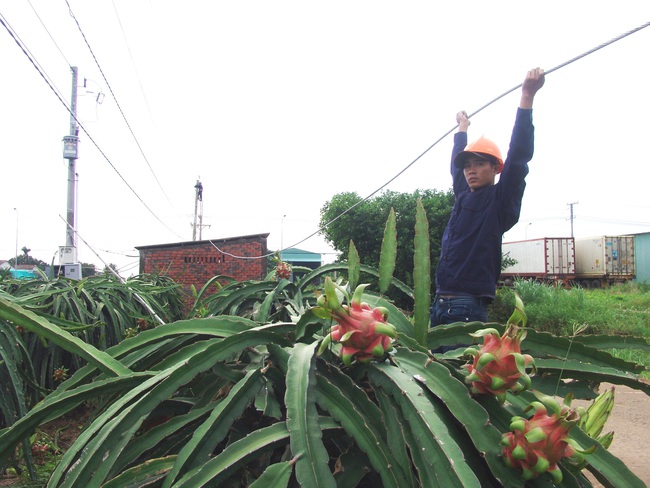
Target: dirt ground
630 422
631 426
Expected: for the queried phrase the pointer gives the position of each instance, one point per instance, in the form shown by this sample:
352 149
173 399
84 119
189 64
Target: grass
621 309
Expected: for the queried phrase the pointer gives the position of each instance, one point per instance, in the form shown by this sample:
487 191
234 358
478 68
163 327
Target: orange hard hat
483 148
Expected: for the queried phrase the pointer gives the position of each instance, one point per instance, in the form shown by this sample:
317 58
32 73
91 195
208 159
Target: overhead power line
41 72
117 275
48 33
119 107
562 65
322 227
30 56
144 95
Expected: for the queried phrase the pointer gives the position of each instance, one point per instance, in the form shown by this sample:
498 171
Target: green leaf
113 429
230 299
329 269
147 473
239 453
12 401
518 316
613 341
215 428
54 406
67 341
338 394
397 437
573 369
454 394
342 398
388 256
354 466
275 476
421 275
302 419
354 265
262 315
160 434
428 425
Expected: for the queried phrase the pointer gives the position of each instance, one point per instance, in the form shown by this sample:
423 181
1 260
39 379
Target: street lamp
526 230
16 257
282 233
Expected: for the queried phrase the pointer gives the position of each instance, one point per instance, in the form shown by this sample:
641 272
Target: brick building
195 262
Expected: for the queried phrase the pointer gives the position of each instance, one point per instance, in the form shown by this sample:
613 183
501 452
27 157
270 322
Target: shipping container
604 260
549 259
642 257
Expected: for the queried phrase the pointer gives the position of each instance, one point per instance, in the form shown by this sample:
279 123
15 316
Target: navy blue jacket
470 259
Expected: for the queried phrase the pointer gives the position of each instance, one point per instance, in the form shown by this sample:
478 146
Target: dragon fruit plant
536 445
498 365
362 331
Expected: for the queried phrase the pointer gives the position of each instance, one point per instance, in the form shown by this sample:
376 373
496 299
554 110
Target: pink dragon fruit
499 366
362 331
283 270
536 445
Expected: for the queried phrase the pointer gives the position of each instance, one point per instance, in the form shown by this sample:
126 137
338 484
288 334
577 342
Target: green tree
25 258
107 273
364 225
88 269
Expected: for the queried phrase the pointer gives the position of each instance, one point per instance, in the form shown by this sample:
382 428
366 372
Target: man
470 259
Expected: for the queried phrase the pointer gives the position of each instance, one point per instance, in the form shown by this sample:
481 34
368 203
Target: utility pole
16 258
70 152
68 254
571 215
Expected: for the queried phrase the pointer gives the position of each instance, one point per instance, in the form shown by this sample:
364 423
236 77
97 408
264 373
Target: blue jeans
447 310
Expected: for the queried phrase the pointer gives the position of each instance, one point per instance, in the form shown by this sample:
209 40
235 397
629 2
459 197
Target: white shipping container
605 256
548 257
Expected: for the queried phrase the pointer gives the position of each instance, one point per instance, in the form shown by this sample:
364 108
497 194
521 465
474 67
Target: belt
485 300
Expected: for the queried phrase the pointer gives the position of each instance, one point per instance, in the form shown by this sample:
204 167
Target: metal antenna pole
198 195
201 221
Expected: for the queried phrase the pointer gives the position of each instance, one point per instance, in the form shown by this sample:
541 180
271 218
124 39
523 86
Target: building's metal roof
298 255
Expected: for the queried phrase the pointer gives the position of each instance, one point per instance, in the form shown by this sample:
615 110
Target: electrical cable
572 60
562 65
60 97
611 221
322 227
117 275
29 54
108 85
128 48
48 32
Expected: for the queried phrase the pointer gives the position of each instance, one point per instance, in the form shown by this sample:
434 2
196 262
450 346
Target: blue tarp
22 274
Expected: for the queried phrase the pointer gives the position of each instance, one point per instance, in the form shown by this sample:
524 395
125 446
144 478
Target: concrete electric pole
68 254
571 215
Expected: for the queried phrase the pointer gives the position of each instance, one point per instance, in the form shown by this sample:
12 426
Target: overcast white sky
278 106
